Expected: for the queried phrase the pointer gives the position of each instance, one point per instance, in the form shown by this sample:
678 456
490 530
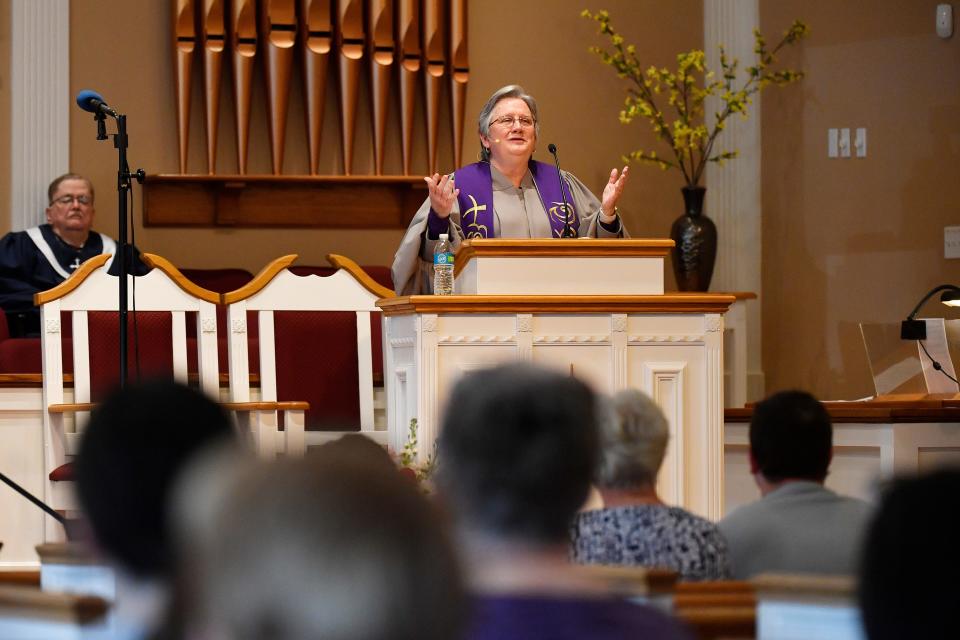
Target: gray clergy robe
518 213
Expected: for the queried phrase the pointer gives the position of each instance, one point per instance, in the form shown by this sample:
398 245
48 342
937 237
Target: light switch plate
832 136
844 142
951 242
860 142
944 20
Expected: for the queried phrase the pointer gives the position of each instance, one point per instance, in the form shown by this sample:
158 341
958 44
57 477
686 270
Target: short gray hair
486 113
633 440
52 189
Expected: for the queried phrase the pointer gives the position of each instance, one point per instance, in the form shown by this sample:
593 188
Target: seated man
798 525
516 456
42 257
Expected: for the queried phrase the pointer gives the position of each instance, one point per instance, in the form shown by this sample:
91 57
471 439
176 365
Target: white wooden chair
92 289
275 289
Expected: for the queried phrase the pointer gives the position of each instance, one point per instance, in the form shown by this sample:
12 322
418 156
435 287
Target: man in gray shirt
798 525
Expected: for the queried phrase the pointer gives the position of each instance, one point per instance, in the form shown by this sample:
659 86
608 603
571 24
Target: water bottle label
443 258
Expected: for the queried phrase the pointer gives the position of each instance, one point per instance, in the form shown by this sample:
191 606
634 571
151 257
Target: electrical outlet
951 242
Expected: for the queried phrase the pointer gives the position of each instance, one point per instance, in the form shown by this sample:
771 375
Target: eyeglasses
507 121
66 201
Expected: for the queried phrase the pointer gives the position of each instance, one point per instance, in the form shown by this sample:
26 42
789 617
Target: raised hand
443 193
613 190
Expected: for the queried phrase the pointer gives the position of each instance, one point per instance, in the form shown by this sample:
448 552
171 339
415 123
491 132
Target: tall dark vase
695 236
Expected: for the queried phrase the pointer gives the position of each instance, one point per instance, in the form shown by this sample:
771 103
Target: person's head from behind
517 452
136 444
633 440
335 545
911 542
791 438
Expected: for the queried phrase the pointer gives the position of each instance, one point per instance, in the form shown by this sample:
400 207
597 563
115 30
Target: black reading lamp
913 329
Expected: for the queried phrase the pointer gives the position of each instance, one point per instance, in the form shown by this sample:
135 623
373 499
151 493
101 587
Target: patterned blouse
651 535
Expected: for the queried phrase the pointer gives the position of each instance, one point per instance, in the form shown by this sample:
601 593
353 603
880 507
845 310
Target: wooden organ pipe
184 48
434 28
213 42
350 37
278 28
459 75
243 44
408 42
316 40
382 49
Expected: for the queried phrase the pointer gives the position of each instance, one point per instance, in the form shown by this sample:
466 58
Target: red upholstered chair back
86 304
312 339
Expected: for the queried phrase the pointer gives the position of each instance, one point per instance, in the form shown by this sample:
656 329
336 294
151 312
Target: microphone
90 100
567 229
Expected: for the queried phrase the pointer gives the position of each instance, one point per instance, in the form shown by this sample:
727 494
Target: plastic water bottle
443 267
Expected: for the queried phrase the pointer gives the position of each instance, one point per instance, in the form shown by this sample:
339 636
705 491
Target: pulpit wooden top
570 247
668 303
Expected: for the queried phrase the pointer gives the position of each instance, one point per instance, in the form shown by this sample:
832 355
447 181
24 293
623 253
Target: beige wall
846 240
540 44
843 240
4 116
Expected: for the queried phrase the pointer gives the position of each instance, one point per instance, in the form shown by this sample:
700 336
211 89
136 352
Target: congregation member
42 257
133 450
635 527
517 451
798 525
337 544
507 194
909 557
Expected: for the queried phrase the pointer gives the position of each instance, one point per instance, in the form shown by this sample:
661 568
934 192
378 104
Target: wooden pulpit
591 307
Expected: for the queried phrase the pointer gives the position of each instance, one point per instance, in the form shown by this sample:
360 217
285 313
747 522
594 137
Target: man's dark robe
32 264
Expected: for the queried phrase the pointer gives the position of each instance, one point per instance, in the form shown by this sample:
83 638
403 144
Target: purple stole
476 198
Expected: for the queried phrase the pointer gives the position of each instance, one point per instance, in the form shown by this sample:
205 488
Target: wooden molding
74 281
261 280
804 586
335 202
71 407
157 262
883 410
669 303
371 285
66 553
266 406
44 605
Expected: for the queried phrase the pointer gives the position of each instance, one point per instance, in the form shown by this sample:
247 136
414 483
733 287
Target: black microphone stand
567 228
120 142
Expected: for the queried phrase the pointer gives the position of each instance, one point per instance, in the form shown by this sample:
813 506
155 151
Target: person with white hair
635 527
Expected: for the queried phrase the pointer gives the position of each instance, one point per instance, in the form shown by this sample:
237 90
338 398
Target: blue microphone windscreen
85 98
